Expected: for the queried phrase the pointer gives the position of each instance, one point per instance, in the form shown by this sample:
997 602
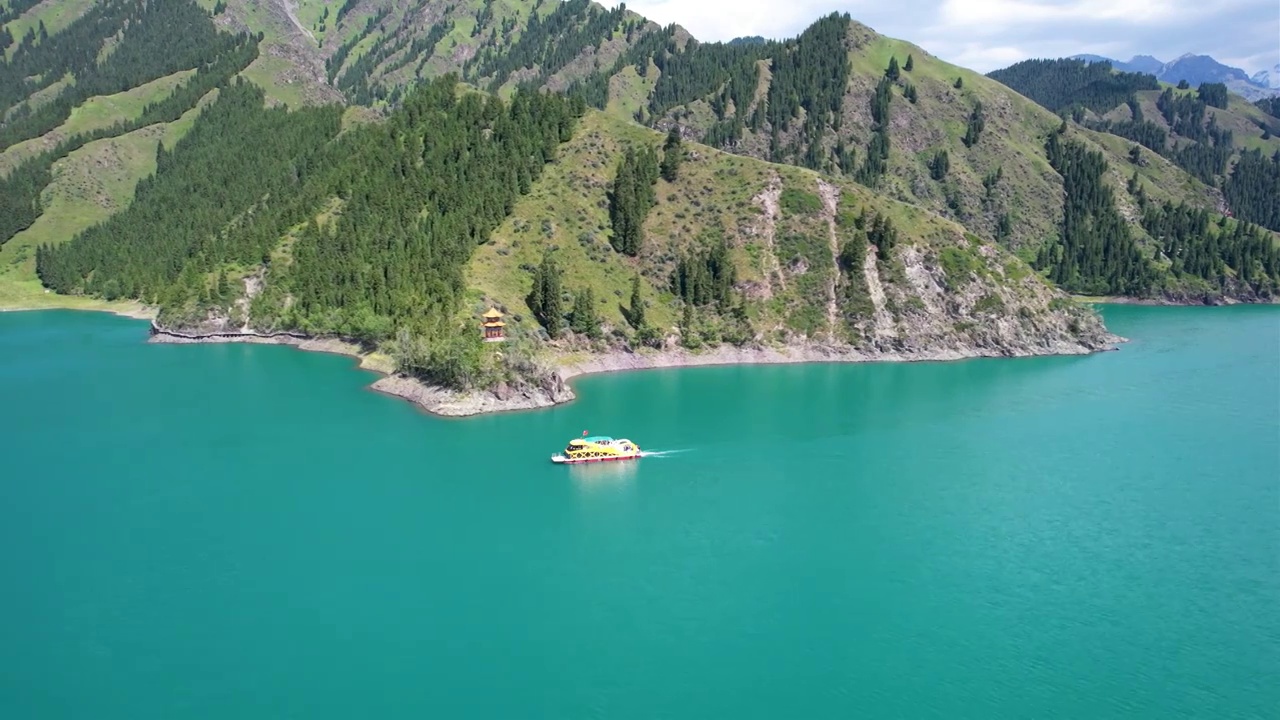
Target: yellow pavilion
493 326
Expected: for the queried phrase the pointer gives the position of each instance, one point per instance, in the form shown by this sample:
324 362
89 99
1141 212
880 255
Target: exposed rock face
500 398
986 310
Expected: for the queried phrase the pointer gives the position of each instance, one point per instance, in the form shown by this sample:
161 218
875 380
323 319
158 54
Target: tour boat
597 448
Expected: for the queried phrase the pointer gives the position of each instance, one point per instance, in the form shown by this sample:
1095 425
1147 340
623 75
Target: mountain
1143 64
1204 131
1267 78
385 170
1195 70
1214 135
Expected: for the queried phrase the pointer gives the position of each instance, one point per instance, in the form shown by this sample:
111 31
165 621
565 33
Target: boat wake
660 453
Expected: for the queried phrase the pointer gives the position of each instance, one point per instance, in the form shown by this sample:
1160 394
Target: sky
985 35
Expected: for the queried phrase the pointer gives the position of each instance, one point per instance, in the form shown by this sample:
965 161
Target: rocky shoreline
556 390
337 346
1191 300
450 403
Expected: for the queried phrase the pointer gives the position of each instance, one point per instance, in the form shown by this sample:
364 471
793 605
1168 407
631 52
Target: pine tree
939 165
910 93
688 336
635 314
584 320
977 121
630 198
959 83
891 72
1135 155
910 65
672 155
224 286
545 299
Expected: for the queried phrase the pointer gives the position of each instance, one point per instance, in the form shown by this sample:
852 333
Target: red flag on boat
584 433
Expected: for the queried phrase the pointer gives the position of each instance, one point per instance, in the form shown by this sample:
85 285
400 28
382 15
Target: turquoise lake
224 531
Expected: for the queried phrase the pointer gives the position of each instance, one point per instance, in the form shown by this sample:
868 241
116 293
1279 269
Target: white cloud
987 34
993 16
719 20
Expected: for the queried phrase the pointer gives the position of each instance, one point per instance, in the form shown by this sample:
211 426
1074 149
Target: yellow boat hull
597 449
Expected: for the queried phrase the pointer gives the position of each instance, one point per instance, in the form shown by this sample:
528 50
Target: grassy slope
96 113
1241 117
1013 140
89 185
1014 136
288 67
55 14
460 45
309 13
628 92
99 179
567 211
271 74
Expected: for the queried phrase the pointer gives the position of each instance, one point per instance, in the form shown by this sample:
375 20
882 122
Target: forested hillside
1219 138
47 78
372 235
838 98
372 50
406 202
607 182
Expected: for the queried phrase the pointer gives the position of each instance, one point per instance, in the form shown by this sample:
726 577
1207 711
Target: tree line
20 190
415 195
1070 87
546 43
1217 252
149 40
1063 84
631 195
1095 253
1252 190
808 72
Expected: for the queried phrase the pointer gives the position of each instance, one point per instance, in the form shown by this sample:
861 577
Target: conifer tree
977 121
910 64
939 165
891 72
688 336
630 198
224 287
635 314
584 320
672 155
545 298
959 83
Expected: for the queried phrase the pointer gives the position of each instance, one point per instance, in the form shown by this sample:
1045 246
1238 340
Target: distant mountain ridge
1196 70
1269 78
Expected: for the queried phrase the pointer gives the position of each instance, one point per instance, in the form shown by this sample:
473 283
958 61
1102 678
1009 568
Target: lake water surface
217 531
